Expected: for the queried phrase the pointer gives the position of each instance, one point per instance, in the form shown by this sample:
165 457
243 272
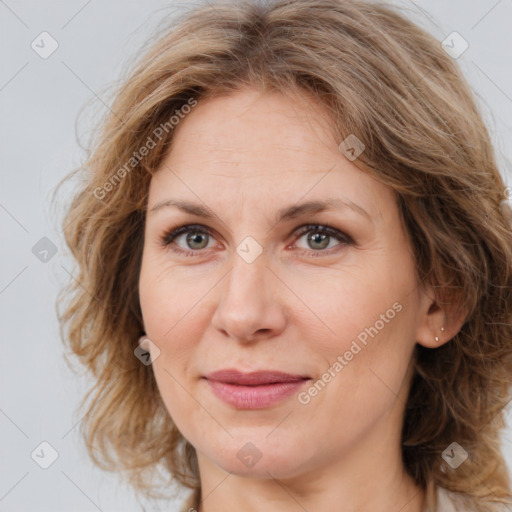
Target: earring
143 342
437 337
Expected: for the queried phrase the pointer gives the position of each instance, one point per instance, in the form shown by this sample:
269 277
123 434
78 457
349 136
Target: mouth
254 390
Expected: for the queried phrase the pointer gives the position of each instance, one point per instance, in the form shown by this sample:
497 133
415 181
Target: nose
250 306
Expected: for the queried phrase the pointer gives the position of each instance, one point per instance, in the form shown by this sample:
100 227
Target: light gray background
40 100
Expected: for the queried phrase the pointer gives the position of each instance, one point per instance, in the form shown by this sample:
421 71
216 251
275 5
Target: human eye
197 238
196 235
319 237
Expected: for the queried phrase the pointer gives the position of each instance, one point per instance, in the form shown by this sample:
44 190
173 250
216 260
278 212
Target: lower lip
254 397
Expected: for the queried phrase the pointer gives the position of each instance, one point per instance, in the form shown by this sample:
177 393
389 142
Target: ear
440 315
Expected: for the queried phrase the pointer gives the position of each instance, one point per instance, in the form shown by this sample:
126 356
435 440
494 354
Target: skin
292 309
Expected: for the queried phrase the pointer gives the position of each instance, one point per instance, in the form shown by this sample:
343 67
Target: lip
254 390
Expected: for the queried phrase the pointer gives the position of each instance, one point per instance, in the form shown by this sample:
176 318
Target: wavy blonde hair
391 84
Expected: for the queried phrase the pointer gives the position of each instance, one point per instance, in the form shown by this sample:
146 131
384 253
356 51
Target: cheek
365 370
371 317
177 397
167 296
169 323
357 305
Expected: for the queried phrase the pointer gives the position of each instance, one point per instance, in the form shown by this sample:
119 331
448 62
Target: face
327 296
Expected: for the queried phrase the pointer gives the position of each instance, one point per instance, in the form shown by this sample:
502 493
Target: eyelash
168 237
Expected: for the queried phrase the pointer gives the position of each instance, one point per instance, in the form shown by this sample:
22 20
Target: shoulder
447 501
452 502
192 503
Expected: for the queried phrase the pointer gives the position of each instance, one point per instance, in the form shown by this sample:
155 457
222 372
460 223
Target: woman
263 371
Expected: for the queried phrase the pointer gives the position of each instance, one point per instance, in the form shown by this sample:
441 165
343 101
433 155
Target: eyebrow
288 213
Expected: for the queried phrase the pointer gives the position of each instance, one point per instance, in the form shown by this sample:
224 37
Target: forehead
253 145
250 126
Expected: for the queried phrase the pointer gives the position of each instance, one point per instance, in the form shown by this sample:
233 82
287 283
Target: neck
368 477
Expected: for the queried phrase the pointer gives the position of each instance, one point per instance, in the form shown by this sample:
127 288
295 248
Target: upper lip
256 378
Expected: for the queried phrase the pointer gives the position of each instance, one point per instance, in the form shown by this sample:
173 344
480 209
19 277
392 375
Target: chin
259 459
